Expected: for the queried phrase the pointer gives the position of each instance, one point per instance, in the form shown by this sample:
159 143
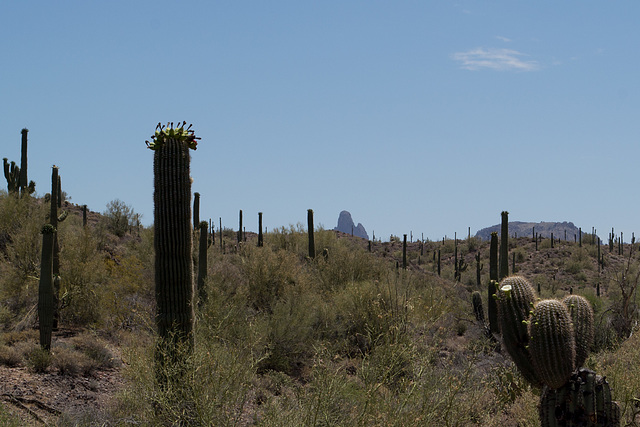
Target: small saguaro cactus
240 227
478 310
312 244
172 231
479 267
202 262
260 239
45 290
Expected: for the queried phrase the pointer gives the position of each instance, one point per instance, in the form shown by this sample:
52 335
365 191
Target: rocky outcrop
346 225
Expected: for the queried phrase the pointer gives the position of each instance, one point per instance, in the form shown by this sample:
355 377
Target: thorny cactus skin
585 400
582 318
552 343
45 290
172 232
515 299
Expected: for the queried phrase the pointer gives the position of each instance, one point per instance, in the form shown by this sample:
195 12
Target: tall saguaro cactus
172 231
54 219
45 291
492 287
23 162
504 245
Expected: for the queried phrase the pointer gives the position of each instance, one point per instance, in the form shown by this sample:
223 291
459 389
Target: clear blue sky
415 116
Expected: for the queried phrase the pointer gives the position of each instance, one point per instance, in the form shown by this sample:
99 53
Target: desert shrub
346 264
268 274
82 274
127 297
38 360
623 374
10 356
96 350
67 361
20 223
289 334
119 217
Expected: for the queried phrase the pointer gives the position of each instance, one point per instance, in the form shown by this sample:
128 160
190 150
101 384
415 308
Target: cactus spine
172 232
45 291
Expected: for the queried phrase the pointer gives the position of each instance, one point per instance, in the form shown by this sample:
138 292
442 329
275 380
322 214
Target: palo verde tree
173 236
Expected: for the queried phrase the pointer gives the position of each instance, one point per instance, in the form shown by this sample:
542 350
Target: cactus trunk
45 291
504 246
202 262
172 240
312 243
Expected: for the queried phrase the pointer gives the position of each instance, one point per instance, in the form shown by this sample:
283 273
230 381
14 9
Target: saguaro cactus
202 262
516 297
552 343
492 287
196 209
172 231
54 219
404 252
312 243
260 242
23 163
45 291
504 245
548 354
240 227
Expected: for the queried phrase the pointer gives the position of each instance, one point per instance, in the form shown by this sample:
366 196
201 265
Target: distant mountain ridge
543 229
346 225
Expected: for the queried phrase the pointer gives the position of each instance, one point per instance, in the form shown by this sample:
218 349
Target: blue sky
415 116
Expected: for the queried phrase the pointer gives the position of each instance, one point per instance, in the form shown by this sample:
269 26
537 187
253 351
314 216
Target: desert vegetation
290 326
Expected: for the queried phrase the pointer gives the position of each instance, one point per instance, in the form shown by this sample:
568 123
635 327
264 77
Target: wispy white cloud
504 39
494 59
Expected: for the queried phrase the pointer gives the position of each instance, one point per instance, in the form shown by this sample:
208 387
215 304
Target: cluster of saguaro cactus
549 341
15 175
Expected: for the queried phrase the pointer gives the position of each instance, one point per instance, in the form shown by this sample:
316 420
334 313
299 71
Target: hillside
561 230
349 337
